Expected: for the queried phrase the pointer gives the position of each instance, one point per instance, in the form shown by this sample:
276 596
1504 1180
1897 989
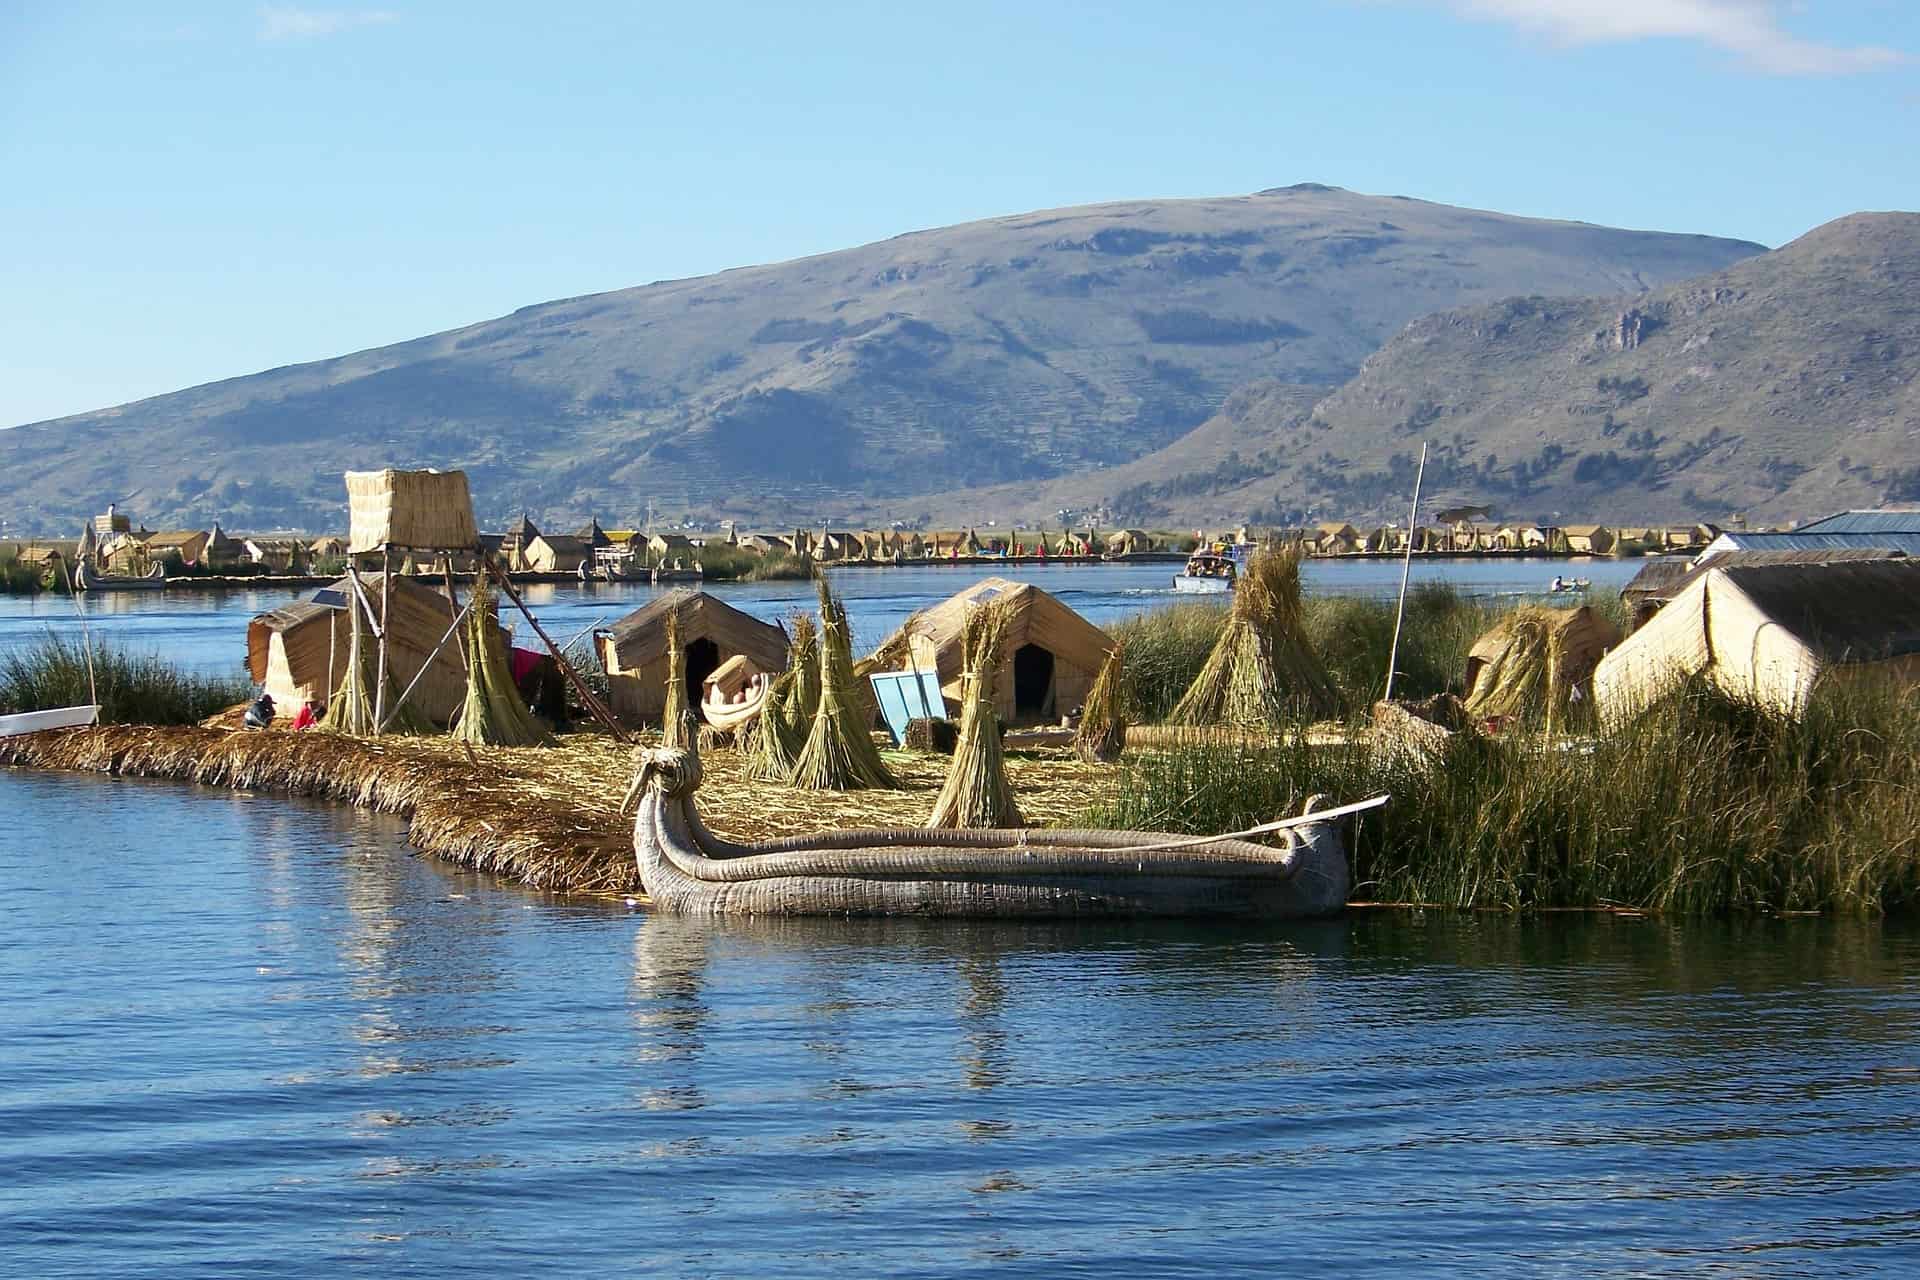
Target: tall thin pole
386 613
1406 570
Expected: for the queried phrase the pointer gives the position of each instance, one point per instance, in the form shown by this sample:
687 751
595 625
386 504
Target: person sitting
1559 583
260 714
309 714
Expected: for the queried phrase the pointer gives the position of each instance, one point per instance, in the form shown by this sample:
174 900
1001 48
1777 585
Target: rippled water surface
245 1035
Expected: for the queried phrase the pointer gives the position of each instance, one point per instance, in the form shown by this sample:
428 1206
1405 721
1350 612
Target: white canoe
1201 586
40 721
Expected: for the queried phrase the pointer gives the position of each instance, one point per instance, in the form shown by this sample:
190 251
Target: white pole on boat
1406 571
386 605
86 637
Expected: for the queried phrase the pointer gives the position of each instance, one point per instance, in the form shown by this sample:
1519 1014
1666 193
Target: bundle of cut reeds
775 737
1263 670
1102 732
350 707
839 754
976 792
494 714
676 719
1522 676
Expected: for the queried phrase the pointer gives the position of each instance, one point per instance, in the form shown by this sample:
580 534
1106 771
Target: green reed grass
133 688
1704 805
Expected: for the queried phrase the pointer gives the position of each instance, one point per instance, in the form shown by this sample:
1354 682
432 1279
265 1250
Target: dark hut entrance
703 659
1032 683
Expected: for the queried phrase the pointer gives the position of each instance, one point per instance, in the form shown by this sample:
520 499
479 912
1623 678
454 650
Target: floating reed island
1759 754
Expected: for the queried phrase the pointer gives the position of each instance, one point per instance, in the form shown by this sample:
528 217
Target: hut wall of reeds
555 553
633 651
429 510
289 649
1510 665
1770 632
1051 657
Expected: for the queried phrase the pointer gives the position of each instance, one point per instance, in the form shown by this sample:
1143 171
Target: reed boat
53 718
719 710
975 874
88 578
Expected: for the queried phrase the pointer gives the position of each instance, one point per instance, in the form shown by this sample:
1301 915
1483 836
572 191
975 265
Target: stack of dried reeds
1263 670
839 754
1102 732
773 741
1521 663
976 792
494 714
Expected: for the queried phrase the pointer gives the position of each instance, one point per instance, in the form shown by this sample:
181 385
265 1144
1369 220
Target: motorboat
1207 573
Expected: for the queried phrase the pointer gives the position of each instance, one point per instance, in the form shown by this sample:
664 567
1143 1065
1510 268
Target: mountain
1015 349
1784 386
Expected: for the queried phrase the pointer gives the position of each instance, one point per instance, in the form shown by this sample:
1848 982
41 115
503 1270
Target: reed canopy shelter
633 651
1052 654
1535 660
301 651
1771 632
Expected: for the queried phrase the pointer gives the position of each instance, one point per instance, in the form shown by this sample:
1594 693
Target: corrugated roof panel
1884 520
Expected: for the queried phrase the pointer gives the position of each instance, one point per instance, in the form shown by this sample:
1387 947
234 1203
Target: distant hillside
1784 386
1020 349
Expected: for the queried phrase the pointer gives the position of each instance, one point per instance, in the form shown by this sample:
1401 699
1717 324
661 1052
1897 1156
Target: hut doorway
703 659
1032 683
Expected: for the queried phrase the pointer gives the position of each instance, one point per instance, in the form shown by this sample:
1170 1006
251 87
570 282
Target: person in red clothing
309 714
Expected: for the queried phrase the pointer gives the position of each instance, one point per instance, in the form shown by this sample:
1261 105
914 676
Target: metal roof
1884 520
1801 540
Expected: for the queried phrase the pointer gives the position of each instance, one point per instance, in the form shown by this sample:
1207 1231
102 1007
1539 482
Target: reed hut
1126 542
1536 660
514 543
555 553
633 651
1771 632
1051 654
421 510
300 651
189 546
1588 539
1335 538
330 547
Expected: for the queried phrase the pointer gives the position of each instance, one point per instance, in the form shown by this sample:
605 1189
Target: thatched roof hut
289 649
554 553
633 651
1770 632
1509 667
1052 653
190 545
1588 539
1125 542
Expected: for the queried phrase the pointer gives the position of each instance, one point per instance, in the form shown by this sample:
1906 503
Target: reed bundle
839 754
1521 673
1263 671
350 708
1101 734
494 714
775 738
676 718
976 793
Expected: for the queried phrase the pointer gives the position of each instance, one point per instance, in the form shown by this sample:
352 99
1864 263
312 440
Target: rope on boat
1265 828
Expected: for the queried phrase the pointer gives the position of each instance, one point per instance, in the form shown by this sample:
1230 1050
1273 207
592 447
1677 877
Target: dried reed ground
548 817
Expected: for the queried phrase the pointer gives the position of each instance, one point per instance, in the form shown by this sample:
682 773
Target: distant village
111 547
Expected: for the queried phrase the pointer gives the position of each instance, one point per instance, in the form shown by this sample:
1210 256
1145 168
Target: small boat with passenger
1208 573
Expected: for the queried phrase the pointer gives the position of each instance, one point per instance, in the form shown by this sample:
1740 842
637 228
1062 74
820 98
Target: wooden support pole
386 601
1406 572
453 602
587 696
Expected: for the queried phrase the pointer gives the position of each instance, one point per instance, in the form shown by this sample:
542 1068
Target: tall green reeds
1704 805
133 688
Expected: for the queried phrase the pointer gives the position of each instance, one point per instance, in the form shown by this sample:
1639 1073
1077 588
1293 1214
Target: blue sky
194 192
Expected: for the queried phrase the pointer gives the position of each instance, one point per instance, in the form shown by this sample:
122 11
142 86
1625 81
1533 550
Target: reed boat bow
970 873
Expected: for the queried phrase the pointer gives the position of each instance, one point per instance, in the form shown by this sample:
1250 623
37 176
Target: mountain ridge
1015 349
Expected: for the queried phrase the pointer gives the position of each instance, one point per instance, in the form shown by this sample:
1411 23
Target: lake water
207 630
245 1035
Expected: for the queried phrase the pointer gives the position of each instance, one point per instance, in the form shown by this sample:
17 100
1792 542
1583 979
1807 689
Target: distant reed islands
1739 735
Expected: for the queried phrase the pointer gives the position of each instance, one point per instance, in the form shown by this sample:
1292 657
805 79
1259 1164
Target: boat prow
990 874
53 718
